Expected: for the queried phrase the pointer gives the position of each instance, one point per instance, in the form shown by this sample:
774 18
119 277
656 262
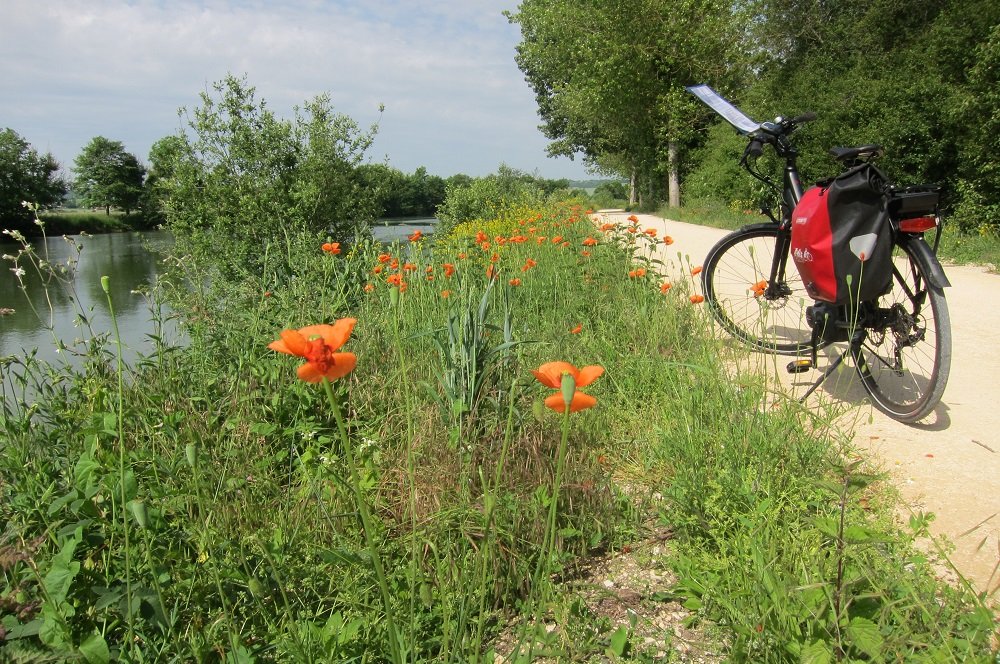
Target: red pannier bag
842 239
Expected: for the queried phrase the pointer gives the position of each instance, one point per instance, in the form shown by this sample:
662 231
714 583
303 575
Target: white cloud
455 101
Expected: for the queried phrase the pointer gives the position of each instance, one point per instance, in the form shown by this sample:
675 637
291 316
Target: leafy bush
243 181
486 198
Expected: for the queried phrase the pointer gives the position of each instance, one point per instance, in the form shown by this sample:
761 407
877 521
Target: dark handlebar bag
842 239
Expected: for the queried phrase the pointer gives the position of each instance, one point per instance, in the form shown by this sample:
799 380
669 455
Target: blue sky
455 101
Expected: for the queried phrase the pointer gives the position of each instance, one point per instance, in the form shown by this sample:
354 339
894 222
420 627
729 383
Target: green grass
957 246
207 507
73 222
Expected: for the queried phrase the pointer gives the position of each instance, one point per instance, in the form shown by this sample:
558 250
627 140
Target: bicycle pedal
799 366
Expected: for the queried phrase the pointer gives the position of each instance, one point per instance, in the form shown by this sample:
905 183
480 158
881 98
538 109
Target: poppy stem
366 525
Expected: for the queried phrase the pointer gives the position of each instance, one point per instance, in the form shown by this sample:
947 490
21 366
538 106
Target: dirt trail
948 464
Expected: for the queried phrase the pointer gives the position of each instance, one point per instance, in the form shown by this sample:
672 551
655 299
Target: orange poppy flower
540 239
697 299
331 247
631 229
480 237
557 239
494 258
634 219
528 264
461 256
668 240
637 273
585 253
608 227
369 288
318 345
550 375
409 267
377 269
665 286
491 271
446 293
758 288
384 258
651 232
485 246
394 279
577 329
394 264
589 242
515 282
417 236
695 270
449 270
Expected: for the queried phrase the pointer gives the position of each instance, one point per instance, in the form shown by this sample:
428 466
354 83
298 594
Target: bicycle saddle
860 152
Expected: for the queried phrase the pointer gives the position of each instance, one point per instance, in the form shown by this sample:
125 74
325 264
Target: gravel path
948 464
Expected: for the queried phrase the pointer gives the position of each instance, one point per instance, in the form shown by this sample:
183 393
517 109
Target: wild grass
205 505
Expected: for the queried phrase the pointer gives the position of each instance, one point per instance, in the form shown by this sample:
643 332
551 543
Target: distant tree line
920 78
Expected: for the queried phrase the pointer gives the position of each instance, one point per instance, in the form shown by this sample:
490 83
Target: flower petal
291 343
310 373
550 373
343 364
579 402
588 375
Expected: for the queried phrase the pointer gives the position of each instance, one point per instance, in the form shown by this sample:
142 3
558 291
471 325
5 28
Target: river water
45 311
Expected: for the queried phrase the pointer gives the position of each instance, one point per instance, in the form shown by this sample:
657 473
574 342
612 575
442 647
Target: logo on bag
802 255
801 220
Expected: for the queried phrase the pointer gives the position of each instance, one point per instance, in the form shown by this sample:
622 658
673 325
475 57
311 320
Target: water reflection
41 303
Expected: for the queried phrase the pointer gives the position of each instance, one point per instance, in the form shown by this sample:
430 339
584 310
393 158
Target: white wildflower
18 271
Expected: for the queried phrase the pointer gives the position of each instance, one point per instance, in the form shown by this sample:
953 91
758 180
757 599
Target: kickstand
856 341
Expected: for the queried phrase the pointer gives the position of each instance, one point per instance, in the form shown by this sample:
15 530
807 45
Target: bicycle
899 340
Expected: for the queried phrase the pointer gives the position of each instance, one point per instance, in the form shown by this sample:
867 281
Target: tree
25 175
107 176
239 183
609 78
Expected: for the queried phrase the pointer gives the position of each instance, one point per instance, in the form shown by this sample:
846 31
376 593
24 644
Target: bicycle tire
904 366
773 322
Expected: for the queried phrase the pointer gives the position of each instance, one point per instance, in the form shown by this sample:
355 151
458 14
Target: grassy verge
956 246
73 222
206 505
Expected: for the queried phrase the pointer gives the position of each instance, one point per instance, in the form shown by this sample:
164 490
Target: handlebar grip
756 148
805 117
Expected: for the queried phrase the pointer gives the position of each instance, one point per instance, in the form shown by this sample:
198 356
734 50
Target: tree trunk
632 189
673 180
107 210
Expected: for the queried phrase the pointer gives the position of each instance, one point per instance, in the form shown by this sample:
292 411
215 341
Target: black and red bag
842 239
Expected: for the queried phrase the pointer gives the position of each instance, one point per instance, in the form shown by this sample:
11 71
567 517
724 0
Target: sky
455 101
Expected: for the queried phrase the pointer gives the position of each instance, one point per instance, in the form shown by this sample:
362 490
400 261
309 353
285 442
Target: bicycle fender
919 246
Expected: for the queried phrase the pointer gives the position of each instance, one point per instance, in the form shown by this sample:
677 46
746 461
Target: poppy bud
568 388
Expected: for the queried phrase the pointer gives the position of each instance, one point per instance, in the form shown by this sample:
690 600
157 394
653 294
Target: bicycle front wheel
905 358
767 315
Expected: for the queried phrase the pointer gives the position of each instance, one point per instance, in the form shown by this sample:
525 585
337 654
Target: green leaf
95 650
619 640
865 636
816 653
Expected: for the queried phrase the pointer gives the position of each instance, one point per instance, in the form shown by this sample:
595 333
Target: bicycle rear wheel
905 357
766 316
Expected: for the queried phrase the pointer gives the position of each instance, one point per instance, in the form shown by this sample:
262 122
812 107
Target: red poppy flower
664 287
331 247
449 270
318 345
446 293
651 232
384 258
695 270
369 288
417 236
577 329
550 375
697 299
589 242
758 288
528 264
409 267
608 227
557 239
667 240
515 282
634 219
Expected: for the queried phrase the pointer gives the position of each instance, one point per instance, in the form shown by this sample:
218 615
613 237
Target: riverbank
430 496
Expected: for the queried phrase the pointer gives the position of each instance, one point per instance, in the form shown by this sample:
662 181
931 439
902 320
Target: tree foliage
108 176
609 76
239 182
25 175
402 195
